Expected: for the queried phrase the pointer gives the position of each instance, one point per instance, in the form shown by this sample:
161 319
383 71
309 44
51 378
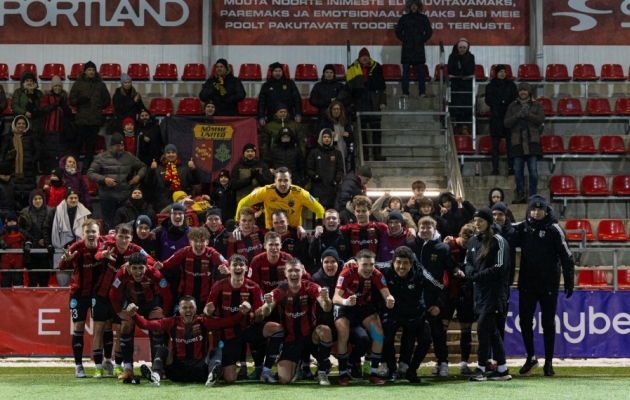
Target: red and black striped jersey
227 299
87 269
352 283
125 290
297 310
111 267
364 237
249 246
266 275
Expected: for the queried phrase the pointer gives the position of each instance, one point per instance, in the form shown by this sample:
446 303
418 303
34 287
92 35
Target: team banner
365 22
213 143
101 22
588 325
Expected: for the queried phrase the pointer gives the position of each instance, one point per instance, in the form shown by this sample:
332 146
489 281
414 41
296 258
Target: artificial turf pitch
569 383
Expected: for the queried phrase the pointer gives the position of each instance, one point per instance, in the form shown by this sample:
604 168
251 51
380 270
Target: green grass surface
569 383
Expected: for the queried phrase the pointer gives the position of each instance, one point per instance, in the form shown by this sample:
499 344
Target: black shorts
178 371
465 307
292 351
355 314
79 307
102 310
146 308
232 349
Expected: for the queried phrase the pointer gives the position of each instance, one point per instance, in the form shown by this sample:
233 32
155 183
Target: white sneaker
382 370
214 375
108 366
267 376
155 379
443 369
79 372
322 378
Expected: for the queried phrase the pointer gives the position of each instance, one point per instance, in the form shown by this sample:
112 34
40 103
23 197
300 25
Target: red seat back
161 106
392 72
340 72
249 106
552 144
51 70
584 72
139 71
575 224
436 73
92 187
480 73
621 185
485 145
598 106
508 72
547 105
582 144
213 70
563 185
613 72
189 106
570 106
622 106
285 69
42 181
413 73
165 72
250 72
612 144
19 68
595 185
529 72
110 71
194 72
623 278
4 72
306 72
8 111
592 278
75 70
611 230
464 144
110 109
557 72
308 109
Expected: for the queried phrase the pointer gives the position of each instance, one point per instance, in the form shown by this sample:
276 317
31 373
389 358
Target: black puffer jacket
499 94
90 96
413 30
456 217
276 91
461 65
151 150
324 91
224 198
130 211
350 187
242 180
289 155
31 154
226 96
125 105
324 167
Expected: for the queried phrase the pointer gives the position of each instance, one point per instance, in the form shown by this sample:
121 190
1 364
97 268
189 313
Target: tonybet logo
586 22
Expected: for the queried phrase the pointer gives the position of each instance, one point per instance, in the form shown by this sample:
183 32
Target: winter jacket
327 239
77 182
24 100
324 167
350 187
129 212
489 274
367 93
59 233
188 178
435 257
413 30
243 181
457 216
269 136
508 213
323 280
500 93
120 167
56 110
509 234
152 150
31 151
324 91
276 91
32 220
90 96
461 65
525 131
225 96
342 143
224 198
125 106
7 196
289 155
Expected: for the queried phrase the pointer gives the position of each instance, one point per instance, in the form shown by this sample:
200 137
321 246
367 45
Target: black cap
330 252
117 138
224 172
537 201
213 211
249 146
499 206
144 219
364 171
178 207
484 213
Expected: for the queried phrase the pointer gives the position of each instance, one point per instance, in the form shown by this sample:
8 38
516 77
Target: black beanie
499 206
178 207
249 146
70 191
89 64
143 219
11 216
117 138
498 68
329 67
330 252
274 66
213 211
280 106
484 213
224 172
223 61
395 215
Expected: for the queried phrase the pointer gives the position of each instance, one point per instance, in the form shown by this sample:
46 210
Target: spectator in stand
525 117
171 175
127 101
27 101
142 235
413 30
495 196
3 106
75 179
278 89
324 167
455 211
461 65
418 188
250 173
286 153
21 148
134 207
55 188
271 131
353 183
223 194
15 238
129 132
56 109
342 130
395 203
90 96
149 138
209 109
367 87
31 219
7 189
500 93
426 208
326 91
115 172
223 89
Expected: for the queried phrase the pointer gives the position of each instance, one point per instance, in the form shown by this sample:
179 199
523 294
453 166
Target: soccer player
199 264
282 195
251 241
327 236
226 296
146 287
296 301
80 257
188 360
353 297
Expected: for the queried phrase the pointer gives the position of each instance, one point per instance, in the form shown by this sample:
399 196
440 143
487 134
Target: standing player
327 236
353 301
80 257
296 301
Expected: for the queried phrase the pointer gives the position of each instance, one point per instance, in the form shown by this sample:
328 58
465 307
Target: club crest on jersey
304 300
368 285
541 234
291 202
433 257
332 158
255 239
196 329
342 247
372 232
290 247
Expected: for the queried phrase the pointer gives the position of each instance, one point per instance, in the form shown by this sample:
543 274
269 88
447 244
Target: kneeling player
297 301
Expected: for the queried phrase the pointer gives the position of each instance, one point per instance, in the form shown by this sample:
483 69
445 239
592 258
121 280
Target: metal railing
473 93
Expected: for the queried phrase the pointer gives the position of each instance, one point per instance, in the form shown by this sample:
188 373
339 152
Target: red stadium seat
611 230
563 185
76 69
392 72
249 106
285 69
19 68
213 69
575 224
100 145
621 185
623 278
552 144
547 105
592 278
194 72
110 71
464 144
413 73
595 185
612 144
42 181
570 106
529 72
306 72
161 106
613 72
308 109
4 72
582 144
110 109
340 72
508 72
162 217
485 145
622 106
436 73
598 106
51 70
584 73
139 72
480 73
557 72
189 106
8 111
92 187
250 72
165 72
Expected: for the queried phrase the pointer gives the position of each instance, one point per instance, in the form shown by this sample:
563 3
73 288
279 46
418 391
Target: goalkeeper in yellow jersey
282 195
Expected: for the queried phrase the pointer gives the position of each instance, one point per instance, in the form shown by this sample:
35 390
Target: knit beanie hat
36 192
330 252
213 211
498 68
223 62
364 52
524 86
70 191
224 172
275 66
179 194
170 147
117 138
395 215
178 207
143 219
329 67
11 216
537 201
128 120
89 64
55 81
326 132
499 206
484 213
249 146
124 77
280 106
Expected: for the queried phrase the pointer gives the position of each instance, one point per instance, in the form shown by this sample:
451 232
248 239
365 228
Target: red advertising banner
601 22
365 22
101 22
